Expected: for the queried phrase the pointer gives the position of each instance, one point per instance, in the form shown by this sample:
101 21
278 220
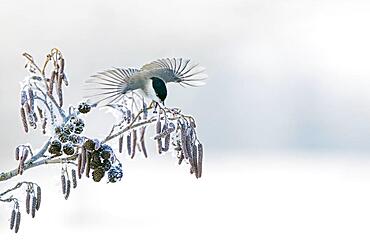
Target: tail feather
110 83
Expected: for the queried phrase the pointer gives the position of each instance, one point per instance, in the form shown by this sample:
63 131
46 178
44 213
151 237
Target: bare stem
135 123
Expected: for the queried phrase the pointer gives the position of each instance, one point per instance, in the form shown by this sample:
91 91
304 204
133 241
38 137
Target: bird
150 80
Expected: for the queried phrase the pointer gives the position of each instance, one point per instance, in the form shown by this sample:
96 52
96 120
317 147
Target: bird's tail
109 86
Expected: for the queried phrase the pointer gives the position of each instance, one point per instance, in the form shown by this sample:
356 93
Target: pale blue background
283 75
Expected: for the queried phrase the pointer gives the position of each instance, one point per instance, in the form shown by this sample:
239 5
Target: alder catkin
23 97
134 142
38 196
188 149
32 99
160 135
79 165
21 166
24 120
51 85
59 89
181 158
142 141
183 142
35 116
34 204
167 140
61 70
158 126
17 222
44 123
195 160
68 189
200 159
64 188
83 159
158 131
60 96
120 144
74 179
17 151
88 163
167 129
28 199
28 108
12 219
25 154
129 144
39 110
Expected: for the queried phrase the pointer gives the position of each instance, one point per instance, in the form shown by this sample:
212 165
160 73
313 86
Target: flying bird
150 80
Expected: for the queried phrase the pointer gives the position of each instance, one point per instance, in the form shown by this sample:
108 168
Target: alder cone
98 174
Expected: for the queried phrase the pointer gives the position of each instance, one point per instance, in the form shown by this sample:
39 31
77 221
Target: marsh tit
150 80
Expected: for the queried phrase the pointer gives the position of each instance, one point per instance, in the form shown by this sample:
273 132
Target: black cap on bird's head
160 88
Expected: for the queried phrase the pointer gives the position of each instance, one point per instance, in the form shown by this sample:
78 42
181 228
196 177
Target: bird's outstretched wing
176 70
111 84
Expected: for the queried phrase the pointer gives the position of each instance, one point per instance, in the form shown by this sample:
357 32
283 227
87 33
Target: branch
7 175
134 125
93 158
42 73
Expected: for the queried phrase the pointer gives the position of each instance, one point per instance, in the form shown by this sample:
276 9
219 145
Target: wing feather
177 70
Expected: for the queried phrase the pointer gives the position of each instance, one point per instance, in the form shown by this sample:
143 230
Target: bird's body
151 79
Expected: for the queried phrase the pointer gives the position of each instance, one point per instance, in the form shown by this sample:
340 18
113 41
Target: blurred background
284 118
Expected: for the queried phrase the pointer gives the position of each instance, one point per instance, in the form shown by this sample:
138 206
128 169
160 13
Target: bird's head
160 88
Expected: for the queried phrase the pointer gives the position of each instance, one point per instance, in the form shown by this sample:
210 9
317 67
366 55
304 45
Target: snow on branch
42 109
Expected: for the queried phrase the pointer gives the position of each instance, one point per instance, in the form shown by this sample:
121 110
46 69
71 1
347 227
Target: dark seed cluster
98 159
55 147
70 130
84 107
115 173
68 149
67 136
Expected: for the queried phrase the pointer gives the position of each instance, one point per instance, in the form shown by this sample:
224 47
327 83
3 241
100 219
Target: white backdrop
284 118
